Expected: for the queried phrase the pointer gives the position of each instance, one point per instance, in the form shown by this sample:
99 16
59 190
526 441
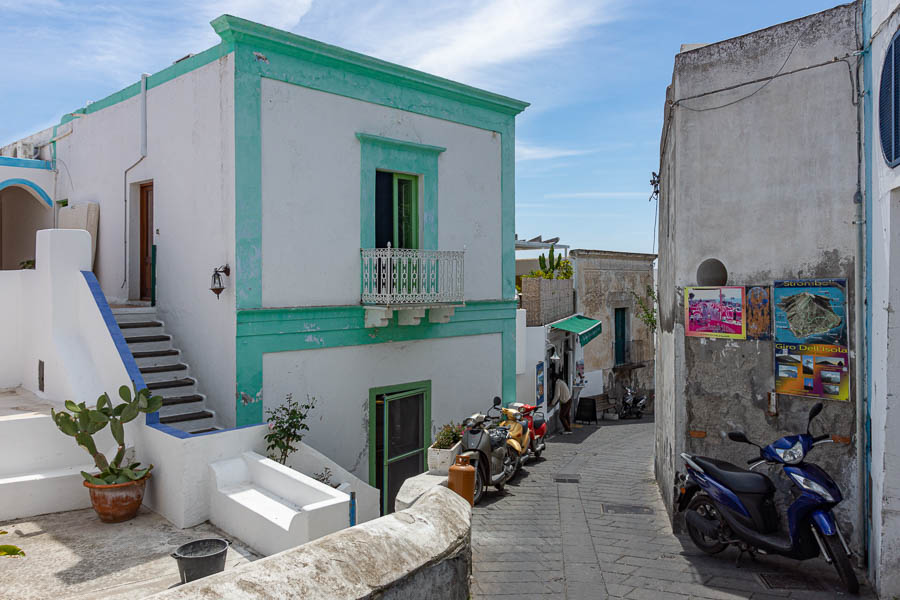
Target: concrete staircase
165 371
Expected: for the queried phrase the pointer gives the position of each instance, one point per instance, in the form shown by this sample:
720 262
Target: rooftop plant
82 423
552 267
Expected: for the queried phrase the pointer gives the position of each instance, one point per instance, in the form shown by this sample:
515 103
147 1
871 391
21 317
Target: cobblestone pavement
607 535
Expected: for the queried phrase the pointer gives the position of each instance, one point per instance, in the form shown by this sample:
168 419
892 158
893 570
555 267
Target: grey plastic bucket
200 558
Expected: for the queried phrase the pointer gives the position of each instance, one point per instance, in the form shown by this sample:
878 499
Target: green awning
587 329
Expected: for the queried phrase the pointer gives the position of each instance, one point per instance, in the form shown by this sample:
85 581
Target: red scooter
537 426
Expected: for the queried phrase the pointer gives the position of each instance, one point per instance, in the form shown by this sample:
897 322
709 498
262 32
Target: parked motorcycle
519 435
726 505
486 445
632 406
537 427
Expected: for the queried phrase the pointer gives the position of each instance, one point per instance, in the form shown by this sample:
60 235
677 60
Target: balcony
411 281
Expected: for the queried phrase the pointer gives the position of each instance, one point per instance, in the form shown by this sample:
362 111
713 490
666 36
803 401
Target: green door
401 438
621 314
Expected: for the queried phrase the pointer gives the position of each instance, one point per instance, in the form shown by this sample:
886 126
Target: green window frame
406 211
389 394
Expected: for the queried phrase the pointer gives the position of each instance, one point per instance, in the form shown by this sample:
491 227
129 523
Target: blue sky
594 71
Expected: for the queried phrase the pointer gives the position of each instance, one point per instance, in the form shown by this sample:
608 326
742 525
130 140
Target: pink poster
716 312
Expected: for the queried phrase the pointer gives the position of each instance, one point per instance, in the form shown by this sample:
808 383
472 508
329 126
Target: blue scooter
726 505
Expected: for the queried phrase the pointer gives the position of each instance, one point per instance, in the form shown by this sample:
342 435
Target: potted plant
442 453
117 489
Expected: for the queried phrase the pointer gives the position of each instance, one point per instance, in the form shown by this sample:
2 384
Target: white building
296 165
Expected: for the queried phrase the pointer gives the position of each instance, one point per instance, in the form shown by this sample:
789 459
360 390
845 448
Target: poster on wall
716 312
758 312
811 351
539 378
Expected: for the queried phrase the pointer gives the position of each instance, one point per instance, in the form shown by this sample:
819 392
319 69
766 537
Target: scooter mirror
738 436
497 401
813 413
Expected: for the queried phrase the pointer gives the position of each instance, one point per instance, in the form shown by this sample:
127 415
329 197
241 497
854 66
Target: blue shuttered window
889 103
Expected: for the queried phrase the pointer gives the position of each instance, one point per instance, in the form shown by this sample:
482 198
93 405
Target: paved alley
587 521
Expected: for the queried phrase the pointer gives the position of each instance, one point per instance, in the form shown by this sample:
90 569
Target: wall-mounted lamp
555 355
217 286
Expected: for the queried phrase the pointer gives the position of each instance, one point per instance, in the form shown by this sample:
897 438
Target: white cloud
282 14
525 151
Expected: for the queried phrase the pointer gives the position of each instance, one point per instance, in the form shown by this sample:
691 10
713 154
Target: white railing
401 276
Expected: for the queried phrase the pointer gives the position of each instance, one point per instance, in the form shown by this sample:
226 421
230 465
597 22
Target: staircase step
155 353
157 358
143 339
134 313
164 368
171 383
207 430
193 416
139 324
176 400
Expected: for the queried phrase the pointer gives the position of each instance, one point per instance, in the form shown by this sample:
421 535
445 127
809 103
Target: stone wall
762 178
604 281
546 300
422 552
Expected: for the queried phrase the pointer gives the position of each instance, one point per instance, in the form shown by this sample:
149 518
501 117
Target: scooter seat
735 478
538 421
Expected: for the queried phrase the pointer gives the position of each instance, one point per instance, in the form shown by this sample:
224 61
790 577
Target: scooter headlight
812 486
792 455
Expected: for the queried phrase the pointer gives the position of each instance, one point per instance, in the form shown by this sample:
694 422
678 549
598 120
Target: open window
396 210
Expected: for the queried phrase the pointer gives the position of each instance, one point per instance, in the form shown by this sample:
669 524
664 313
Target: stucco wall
604 281
884 223
311 194
766 185
21 216
465 374
190 158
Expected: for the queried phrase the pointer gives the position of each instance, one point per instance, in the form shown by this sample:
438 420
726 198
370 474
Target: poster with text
716 312
758 311
539 378
810 329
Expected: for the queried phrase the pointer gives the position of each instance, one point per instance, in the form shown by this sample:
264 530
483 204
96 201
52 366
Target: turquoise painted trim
385 154
26 163
290 329
279 56
17 182
236 30
169 73
869 157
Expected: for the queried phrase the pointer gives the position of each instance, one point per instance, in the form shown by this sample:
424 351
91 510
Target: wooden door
146 241
620 315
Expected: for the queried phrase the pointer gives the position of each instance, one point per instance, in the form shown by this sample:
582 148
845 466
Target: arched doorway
25 208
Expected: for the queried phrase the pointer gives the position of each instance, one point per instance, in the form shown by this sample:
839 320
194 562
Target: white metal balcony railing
411 276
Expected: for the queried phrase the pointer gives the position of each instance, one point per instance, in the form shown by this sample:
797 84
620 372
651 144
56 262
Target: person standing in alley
562 395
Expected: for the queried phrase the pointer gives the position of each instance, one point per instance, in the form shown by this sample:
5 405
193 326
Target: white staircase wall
270 506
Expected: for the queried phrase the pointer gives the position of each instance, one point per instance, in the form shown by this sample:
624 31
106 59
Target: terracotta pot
117 502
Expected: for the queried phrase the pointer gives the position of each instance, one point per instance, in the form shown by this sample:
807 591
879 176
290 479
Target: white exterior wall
311 194
884 221
465 374
190 160
535 343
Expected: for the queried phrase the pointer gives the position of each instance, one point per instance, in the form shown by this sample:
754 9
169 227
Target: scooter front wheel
479 486
841 563
702 505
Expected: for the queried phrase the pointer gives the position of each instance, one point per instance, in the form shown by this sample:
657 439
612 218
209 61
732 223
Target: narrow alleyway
587 521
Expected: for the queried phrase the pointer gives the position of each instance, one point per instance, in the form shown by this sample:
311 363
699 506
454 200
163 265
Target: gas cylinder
462 478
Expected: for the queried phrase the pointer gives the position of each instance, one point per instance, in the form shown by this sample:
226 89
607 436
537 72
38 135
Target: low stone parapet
421 552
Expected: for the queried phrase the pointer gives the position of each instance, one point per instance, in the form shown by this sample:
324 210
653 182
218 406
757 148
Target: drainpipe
864 303
144 77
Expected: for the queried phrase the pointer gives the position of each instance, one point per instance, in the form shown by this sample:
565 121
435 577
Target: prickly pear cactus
82 423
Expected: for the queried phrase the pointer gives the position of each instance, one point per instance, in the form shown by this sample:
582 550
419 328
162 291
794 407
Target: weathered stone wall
762 178
546 300
604 281
422 552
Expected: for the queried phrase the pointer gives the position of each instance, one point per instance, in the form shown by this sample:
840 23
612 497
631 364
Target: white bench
270 506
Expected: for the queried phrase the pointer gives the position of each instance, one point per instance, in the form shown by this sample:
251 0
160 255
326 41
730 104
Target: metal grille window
889 103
